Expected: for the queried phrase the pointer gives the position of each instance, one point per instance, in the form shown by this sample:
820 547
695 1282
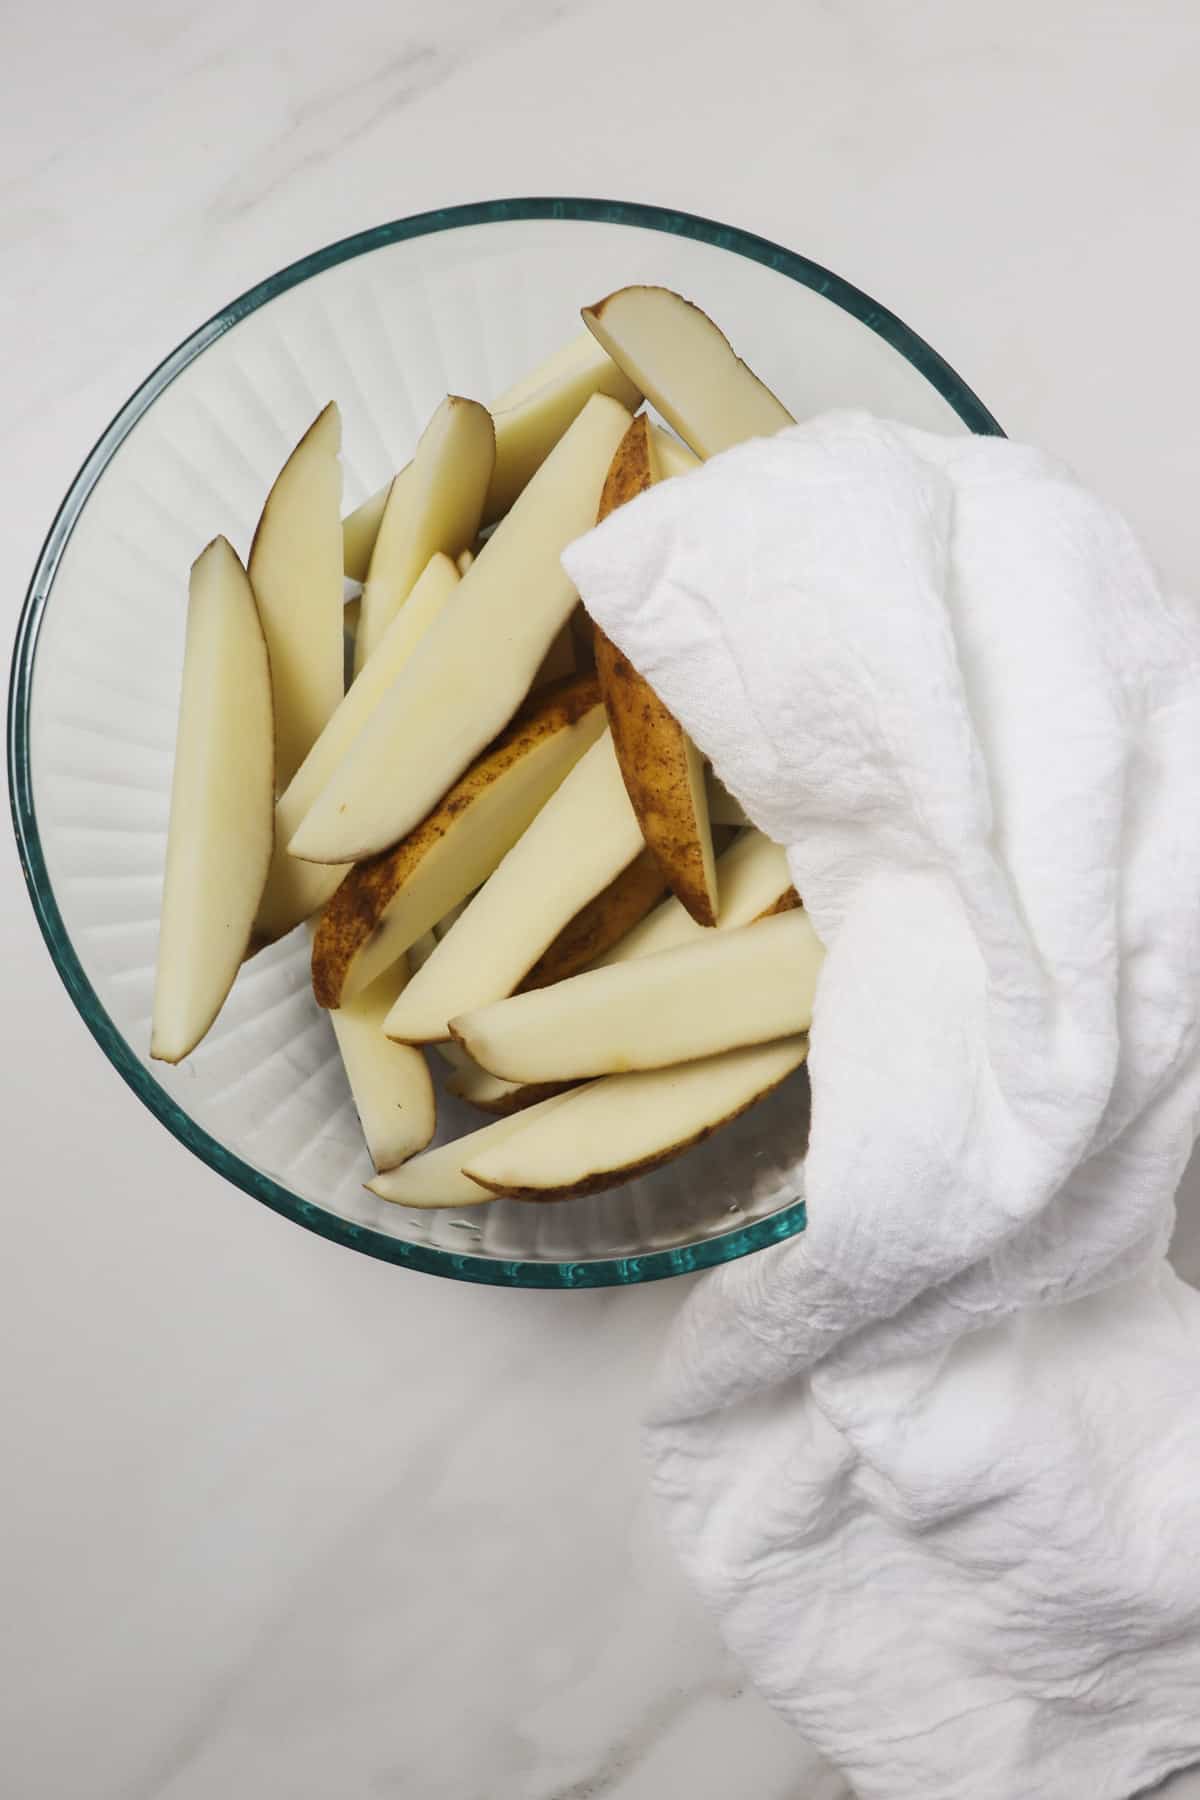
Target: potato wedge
671 456
436 1178
385 904
730 988
477 661
530 418
686 367
723 809
436 508
452 913
420 950
622 1126
295 569
663 770
391 1085
753 880
604 921
222 804
492 1095
558 662
296 889
583 837
568 363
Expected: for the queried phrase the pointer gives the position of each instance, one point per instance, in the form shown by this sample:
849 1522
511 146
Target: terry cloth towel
935 1463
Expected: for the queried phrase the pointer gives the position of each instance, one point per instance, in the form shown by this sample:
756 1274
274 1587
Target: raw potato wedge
436 1178
623 1125
446 922
477 661
753 880
463 560
530 418
222 804
385 904
295 569
529 427
686 368
600 924
565 364
436 507
391 1085
492 1095
421 949
671 457
663 770
723 809
731 988
456 1059
467 1081
580 841
295 889
361 527
452 1054
559 660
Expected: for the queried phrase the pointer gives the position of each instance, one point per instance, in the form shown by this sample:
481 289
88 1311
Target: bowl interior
386 325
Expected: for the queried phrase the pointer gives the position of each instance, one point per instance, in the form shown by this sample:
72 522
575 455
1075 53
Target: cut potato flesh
222 804
580 841
576 356
624 1125
752 880
530 418
663 770
603 922
421 949
686 367
392 1089
730 988
446 922
492 1095
436 1178
723 809
436 508
559 660
295 569
528 430
296 889
464 560
383 905
476 663
456 1058
671 456
361 527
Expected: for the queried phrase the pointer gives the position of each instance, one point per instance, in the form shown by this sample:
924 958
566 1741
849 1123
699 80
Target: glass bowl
465 300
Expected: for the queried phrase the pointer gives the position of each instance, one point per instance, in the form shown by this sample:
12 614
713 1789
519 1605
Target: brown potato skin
600 924
650 743
351 915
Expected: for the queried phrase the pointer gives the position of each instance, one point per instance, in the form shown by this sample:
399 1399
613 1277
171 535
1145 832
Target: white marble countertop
280 1520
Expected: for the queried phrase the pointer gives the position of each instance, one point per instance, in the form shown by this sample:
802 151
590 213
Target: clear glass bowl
464 301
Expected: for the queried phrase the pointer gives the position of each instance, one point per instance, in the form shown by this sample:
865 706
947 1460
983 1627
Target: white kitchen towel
936 1462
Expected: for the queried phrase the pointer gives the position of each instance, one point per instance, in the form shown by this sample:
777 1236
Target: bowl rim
589 1272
